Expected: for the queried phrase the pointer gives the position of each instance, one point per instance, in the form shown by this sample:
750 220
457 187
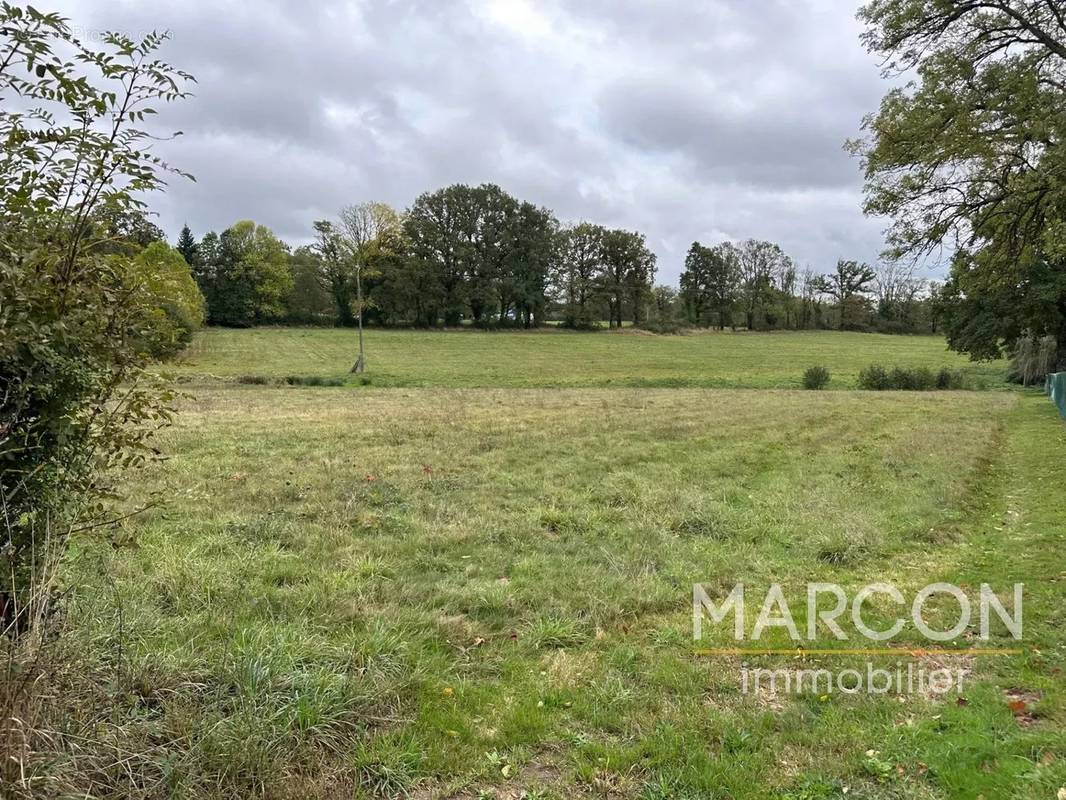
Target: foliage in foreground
83 308
78 320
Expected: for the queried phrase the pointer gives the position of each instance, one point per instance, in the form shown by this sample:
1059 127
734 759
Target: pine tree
188 247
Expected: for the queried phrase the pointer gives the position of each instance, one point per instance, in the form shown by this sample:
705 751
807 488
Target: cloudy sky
685 119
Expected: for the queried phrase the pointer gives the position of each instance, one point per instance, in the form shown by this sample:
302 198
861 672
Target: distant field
551 358
473 594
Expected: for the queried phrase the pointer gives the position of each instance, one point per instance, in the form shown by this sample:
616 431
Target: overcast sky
684 119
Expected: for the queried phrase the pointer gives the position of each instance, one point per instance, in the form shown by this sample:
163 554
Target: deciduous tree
627 275
250 281
709 283
578 268
969 155
760 263
847 281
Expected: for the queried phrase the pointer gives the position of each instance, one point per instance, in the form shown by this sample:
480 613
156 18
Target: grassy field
486 592
552 358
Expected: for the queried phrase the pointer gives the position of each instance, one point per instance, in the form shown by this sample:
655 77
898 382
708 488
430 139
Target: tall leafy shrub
78 320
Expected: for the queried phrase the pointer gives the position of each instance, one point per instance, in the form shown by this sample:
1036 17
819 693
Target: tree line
755 284
460 255
477 255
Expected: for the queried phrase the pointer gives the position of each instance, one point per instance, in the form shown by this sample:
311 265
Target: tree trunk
360 364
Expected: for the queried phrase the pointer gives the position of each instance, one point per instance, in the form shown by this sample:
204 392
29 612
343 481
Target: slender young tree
365 229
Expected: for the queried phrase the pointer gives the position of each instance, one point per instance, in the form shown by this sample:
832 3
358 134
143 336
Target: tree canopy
245 275
968 155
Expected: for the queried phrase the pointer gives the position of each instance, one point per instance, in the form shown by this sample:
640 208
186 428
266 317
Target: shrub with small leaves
949 379
81 315
875 378
915 379
815 378
911 380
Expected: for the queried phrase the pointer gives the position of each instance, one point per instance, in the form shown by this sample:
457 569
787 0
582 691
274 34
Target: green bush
83 309
313 380
912 380
815 378
875 378
173 308
949 379
915 379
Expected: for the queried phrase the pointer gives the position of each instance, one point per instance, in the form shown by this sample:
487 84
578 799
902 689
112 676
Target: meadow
556 358
472 578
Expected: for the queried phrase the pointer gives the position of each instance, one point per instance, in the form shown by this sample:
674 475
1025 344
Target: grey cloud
789 145
683 120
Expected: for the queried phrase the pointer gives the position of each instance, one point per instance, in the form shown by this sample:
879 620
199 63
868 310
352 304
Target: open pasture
487 593
554 358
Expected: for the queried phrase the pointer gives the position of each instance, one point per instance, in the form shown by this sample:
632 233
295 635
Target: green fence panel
1055 386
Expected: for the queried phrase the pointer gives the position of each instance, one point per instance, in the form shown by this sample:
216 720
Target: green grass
552 358
481 592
